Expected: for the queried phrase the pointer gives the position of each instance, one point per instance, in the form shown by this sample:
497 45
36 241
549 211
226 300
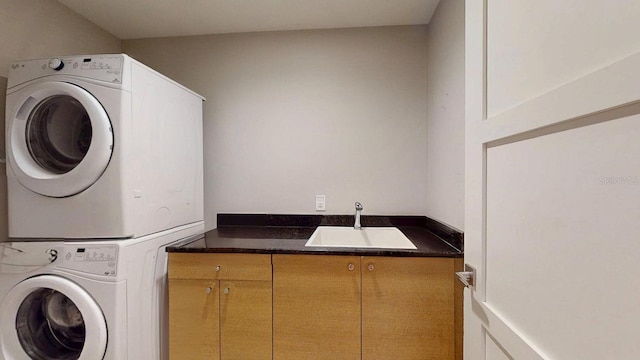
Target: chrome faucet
358 210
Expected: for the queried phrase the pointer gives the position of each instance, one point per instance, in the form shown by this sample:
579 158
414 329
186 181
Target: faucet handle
358 206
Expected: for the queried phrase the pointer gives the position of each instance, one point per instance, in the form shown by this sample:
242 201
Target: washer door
59 138
50 318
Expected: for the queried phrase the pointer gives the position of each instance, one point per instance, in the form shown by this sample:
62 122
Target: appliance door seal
59 138
50 317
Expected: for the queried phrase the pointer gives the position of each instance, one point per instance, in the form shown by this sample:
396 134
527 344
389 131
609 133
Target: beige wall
445 96
31 29
293 114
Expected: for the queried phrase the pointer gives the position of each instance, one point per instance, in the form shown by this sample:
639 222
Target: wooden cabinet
220 306
316 307
245 320
351 307
407 308
194 332
226 306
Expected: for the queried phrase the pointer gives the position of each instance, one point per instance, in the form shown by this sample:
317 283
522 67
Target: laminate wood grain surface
316 310
220 266
407 308
193 320
245 320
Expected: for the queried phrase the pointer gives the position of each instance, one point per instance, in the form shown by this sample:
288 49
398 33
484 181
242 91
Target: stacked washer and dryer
104 170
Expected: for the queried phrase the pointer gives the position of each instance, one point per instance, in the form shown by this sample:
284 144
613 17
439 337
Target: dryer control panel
105 68
93 259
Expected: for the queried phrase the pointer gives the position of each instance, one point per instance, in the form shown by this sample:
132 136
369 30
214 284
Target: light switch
320 203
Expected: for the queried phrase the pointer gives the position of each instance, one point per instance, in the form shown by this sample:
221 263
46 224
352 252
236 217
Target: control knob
56 64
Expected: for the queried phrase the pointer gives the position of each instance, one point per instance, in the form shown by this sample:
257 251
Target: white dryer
100 146
86 300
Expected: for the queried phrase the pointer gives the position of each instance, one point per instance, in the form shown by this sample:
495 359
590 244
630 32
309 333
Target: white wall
32 29
293 114
445 96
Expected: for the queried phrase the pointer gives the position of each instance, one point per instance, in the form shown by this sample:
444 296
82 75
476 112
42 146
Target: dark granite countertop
287 234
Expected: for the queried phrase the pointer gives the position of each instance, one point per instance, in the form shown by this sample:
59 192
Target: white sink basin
370 237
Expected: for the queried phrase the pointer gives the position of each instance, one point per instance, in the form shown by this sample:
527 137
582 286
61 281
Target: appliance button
56 64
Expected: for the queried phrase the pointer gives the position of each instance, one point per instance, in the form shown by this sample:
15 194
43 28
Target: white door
59 138
552 218
47 317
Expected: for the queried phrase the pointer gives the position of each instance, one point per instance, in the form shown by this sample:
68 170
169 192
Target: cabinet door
407 308
193 319
245 320
316 307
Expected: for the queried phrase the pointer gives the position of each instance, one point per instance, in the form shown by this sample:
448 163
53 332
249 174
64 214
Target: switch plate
320 203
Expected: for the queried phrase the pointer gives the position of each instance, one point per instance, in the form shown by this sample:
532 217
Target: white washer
100 146
97 300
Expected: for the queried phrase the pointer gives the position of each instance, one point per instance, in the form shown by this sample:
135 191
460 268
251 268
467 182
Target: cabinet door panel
245 320
316 308
193 320
407 308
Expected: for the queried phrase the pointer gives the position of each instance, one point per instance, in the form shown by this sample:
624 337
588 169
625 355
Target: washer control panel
94 259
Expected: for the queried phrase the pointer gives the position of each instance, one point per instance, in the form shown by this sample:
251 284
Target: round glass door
58 133
60 138
54 319
50 326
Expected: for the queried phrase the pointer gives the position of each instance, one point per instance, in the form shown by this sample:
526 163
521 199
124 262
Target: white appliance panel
124 312
153 177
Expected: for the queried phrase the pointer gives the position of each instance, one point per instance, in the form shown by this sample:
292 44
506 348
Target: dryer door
59 138
50 318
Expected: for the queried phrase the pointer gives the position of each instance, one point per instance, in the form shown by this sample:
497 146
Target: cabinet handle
226 291
207 290
218 268
351 267
370 267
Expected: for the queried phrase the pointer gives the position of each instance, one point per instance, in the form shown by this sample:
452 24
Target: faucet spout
357 225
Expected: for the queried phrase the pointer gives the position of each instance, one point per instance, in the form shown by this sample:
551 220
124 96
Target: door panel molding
591 119
498 328
612 87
